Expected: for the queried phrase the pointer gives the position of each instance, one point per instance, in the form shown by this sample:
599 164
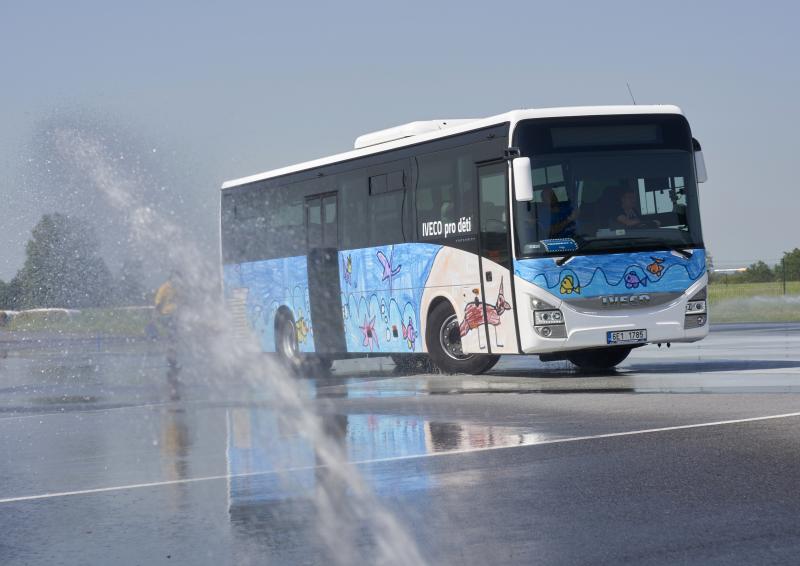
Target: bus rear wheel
286 343
598 359
443 339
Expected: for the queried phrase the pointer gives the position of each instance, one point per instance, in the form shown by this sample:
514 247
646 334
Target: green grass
720 291
106 321
754 302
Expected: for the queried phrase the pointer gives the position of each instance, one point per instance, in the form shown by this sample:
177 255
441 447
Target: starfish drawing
370 337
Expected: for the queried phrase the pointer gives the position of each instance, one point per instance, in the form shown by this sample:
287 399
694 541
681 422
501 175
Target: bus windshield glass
610 184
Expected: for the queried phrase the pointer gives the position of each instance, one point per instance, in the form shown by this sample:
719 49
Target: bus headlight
696 310
542 318
695 307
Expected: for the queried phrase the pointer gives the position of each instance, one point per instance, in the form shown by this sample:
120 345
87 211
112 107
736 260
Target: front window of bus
610 184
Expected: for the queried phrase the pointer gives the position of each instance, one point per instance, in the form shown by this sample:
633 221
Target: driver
629 216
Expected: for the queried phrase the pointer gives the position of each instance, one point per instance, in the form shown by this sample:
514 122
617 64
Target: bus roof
445 128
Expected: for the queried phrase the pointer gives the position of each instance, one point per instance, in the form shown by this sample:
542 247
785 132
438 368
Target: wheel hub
450 339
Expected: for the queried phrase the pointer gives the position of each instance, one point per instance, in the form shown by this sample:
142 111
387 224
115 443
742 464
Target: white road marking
82 412
747 371
53 495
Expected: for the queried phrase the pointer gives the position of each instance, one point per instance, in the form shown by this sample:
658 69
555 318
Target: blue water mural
593 275
270 284
382 291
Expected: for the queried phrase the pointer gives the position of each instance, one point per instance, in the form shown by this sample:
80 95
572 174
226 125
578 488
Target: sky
189 94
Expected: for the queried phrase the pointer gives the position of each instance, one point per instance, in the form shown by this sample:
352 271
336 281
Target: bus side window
246 237
286 225
436 195
446 188
330 233
387 194
314 223
353 194
384 219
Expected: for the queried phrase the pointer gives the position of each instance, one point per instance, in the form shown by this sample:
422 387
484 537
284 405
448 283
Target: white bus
570 233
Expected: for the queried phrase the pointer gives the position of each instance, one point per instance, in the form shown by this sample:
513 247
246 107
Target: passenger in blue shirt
562 217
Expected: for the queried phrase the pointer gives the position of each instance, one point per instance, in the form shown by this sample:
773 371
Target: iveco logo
624 300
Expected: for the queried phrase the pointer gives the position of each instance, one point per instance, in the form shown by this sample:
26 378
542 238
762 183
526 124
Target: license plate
626 336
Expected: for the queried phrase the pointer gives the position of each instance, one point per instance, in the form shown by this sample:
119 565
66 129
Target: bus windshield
609 187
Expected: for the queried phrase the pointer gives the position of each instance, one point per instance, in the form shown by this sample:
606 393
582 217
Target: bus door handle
488 276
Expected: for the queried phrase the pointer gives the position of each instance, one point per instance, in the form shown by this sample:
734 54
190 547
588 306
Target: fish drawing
301 327
632 281
409 333
473 312
388 270
568 286
656 268
347 264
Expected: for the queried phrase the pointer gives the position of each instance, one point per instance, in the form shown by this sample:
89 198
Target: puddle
679 376
260 450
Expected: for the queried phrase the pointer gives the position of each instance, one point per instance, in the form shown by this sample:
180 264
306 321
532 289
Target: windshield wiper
581 244
685 254
677 248
565 258
584 245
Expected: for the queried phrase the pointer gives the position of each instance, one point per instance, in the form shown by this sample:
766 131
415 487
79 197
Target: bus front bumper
581 330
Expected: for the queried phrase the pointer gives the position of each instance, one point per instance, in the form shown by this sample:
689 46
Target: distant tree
63 267
10 294
790 262
758 272
130 288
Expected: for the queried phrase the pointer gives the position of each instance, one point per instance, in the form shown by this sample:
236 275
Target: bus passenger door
322 237
495 259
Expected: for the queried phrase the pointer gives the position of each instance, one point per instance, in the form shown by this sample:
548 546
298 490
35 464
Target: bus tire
443 340
599 359
286 343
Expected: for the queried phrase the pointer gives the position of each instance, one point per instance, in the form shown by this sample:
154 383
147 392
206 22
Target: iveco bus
570 233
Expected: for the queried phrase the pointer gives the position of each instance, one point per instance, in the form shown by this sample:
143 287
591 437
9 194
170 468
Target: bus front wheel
599 359
443 339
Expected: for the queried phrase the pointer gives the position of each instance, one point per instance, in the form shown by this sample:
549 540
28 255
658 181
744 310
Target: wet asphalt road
689 455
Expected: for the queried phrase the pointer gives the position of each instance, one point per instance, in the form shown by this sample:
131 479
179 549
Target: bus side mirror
523 182
699 162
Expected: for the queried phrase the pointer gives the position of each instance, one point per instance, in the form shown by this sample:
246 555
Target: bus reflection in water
268 462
